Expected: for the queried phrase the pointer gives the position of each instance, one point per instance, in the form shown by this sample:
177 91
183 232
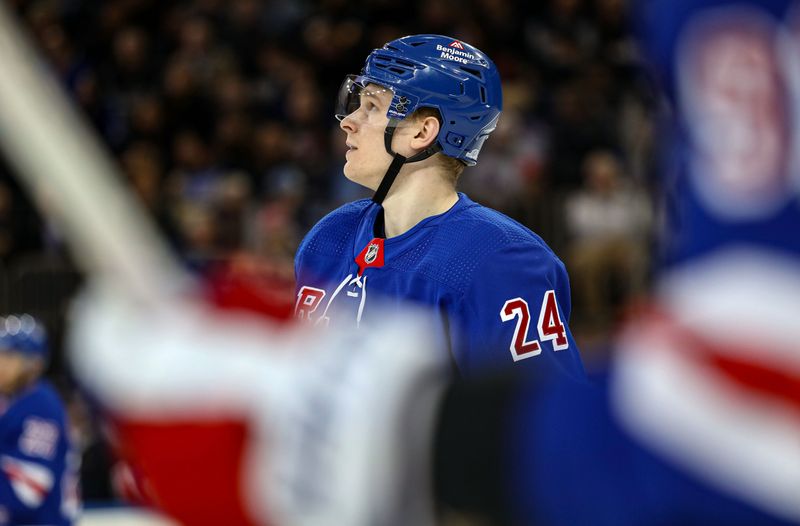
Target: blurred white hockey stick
72 177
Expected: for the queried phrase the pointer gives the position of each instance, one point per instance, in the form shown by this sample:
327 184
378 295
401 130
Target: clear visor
352 92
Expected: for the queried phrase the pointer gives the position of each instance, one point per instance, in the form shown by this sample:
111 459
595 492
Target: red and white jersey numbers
549 327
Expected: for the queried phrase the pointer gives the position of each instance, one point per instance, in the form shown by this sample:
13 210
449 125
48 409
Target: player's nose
348 123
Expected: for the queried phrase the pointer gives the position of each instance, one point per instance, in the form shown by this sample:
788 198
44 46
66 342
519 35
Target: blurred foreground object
232 418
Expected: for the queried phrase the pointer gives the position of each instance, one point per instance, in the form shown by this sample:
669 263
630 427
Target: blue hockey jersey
501 294
38 469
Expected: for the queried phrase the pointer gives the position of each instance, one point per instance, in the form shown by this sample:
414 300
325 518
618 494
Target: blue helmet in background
23 334
440 72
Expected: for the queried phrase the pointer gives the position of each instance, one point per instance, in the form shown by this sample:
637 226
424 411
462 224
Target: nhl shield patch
371 256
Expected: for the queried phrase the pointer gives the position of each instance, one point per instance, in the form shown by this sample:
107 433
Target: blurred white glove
340 423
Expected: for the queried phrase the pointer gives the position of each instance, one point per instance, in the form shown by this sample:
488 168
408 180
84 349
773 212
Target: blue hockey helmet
440 72
23 334
431 71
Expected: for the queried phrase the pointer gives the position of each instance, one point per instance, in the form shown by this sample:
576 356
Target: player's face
366 157
14 368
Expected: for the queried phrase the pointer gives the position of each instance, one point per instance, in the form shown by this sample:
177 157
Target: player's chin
348 170
352 172
361 176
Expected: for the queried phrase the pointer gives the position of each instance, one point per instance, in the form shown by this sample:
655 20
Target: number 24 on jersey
550 326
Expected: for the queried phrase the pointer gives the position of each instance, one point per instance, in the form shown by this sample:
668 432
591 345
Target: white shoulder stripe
31 482
739 300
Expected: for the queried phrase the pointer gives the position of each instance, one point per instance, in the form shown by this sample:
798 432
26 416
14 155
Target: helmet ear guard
472 150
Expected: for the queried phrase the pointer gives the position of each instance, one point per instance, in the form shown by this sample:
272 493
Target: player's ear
427 129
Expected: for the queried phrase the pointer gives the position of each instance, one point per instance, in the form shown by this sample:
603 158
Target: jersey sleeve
300 262
31 457
516 314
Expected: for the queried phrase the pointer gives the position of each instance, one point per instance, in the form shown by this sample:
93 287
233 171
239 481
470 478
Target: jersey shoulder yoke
460 246
333 234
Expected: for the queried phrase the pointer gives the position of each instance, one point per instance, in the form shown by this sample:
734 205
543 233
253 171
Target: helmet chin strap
398 161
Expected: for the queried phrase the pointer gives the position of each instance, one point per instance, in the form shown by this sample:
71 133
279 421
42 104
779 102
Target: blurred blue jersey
501 294
38 469
586 468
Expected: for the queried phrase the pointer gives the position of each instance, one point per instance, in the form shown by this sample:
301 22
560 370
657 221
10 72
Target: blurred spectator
505 163
199 50
146 120
186 100
21 229
576 129
131 68
232 212
198 233
608 222
274 165
616 45
231 141
561 38
195 176
142 164
96 458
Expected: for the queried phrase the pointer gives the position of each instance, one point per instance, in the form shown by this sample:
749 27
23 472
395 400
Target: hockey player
414 118
38 469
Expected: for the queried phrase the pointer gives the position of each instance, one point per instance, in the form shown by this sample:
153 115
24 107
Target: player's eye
368 104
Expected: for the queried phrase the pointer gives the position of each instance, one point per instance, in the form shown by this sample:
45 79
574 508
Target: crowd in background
220 113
